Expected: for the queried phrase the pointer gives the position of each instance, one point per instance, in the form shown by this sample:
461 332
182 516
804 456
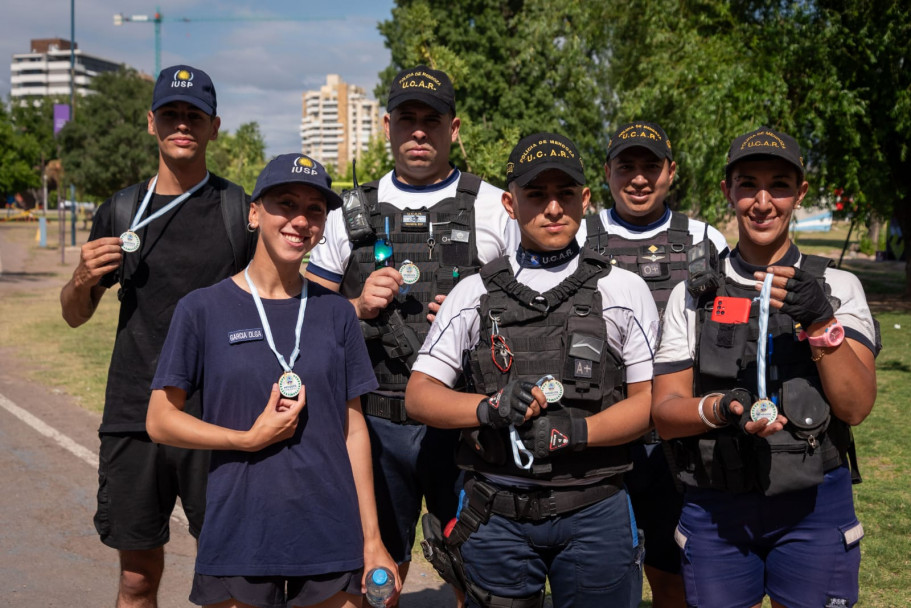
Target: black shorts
138 485
274 591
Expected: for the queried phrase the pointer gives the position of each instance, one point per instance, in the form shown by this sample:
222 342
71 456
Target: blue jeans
591 556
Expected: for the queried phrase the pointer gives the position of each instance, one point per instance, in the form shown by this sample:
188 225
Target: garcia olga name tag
245 335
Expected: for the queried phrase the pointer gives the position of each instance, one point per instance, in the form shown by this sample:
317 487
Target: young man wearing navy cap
159 239
643 235
542 340
426 226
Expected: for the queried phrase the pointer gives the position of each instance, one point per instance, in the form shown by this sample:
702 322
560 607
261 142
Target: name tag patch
416 221
245 335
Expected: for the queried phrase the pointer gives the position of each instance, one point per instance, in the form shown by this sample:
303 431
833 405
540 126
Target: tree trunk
903 215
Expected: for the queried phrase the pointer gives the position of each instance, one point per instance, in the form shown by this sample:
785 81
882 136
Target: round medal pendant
130 241
289 385
410 272
764 408
551 387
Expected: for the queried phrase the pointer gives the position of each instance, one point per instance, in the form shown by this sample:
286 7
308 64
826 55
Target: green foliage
107 146
517 66
239 157
375 162
20 155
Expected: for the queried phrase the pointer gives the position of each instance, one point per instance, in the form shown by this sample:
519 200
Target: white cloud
260 64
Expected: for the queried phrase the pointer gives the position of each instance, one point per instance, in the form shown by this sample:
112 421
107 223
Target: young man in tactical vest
756 397
412 236
542 341
160 239
643 235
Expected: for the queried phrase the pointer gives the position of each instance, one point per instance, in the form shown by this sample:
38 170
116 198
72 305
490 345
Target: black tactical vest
562 333
659 260
812 442
449 254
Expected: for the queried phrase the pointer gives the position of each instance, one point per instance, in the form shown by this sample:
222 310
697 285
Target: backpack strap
123 209
234 209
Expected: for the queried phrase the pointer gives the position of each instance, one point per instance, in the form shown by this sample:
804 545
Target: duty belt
388 408
536 505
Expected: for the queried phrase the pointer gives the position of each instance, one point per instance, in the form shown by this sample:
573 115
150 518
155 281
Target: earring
251 227
322 240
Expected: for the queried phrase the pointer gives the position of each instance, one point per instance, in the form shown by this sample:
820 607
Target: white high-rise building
338 122
45 70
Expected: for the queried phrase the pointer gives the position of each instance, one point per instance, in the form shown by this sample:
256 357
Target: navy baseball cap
765 142
540 152
185 83
640 134
423 84
296 169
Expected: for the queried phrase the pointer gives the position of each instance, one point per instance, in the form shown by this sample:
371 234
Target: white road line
66 443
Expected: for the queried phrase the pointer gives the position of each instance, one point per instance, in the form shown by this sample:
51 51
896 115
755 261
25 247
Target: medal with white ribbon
130 238
289 384
764 407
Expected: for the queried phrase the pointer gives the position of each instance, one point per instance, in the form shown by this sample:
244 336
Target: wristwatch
833 336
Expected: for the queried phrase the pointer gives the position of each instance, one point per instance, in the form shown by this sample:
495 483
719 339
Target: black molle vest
660 260
452 256
812 442
562 333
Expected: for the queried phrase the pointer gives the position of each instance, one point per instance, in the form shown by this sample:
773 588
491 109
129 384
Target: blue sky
260 67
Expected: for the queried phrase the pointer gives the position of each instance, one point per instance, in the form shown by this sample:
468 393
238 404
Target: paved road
50 555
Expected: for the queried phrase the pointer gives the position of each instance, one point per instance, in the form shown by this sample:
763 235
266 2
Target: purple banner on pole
61 116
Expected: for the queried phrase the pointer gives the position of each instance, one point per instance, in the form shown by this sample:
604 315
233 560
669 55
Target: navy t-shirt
290 509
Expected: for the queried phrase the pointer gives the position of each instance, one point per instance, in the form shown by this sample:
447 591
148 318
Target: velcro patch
245 335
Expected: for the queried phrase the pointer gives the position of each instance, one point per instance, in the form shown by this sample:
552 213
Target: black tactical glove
806 302
723 409
508 406
556 431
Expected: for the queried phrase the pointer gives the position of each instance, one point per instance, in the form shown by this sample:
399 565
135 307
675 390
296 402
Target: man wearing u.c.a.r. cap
430 225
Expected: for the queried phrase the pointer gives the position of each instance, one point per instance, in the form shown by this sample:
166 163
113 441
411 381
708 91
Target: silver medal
130 241
764 408
551 387
410 272
289 385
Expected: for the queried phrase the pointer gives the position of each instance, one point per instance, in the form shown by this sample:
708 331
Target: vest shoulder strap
592 225
816 265
679 229
467 189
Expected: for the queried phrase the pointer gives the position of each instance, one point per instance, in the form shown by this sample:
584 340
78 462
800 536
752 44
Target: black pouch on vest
487 443
721 348
791 459
455 245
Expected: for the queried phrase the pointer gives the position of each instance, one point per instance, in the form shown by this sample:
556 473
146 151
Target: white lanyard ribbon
136 224
268 330
764 296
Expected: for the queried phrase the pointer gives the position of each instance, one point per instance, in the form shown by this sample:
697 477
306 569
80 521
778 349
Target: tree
20 154
517 67
107 146
239 157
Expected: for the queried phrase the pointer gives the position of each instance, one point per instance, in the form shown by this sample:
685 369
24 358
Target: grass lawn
30 322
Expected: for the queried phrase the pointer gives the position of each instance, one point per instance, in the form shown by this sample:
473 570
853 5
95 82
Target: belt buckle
523 504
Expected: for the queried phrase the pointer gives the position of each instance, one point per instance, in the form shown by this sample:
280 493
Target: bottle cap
379 576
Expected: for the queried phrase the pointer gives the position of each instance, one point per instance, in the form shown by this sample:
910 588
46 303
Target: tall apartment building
45 70
338 122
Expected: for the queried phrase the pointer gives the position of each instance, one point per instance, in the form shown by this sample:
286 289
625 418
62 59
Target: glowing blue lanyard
268 330
136 224
764 296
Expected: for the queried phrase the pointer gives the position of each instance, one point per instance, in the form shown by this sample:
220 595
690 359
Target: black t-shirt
185 249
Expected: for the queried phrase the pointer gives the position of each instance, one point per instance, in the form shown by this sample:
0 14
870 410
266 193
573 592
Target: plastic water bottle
380 587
